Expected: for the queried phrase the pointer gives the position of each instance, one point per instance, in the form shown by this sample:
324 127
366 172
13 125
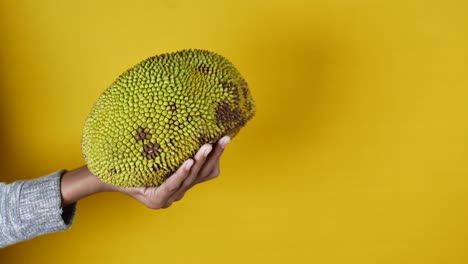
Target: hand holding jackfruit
160 112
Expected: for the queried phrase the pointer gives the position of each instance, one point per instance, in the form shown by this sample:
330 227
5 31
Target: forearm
78 184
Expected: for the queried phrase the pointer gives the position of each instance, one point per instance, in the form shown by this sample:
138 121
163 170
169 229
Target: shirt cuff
39 207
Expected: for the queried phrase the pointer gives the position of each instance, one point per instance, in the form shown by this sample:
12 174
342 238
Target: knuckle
171 187
203 153
215 172
179 197
186 184
154 205
137 191
167 205
211 177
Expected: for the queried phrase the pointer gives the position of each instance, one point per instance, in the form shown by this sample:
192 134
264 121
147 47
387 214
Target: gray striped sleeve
31 208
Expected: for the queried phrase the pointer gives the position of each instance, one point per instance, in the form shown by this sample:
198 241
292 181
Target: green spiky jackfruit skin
160 112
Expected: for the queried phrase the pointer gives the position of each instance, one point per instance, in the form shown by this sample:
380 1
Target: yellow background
358 152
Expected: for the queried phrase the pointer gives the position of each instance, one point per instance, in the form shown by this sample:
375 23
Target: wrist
79 183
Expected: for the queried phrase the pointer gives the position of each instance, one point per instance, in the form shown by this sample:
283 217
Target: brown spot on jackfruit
142 134
244 87
232 89
112 172
205 69
172 106
225 115
151 150
230 119
204 138
228 85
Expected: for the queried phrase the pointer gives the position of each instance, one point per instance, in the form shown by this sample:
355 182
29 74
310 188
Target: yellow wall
358 152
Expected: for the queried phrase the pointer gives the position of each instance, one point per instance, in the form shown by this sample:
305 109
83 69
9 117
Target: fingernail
225 142
188 164
207 152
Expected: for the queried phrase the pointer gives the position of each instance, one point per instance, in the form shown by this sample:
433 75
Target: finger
178 197
212 164
180 194
171 185
212 175
208 171
200 159
211 168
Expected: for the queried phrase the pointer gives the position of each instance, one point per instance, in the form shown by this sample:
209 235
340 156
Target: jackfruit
158 113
